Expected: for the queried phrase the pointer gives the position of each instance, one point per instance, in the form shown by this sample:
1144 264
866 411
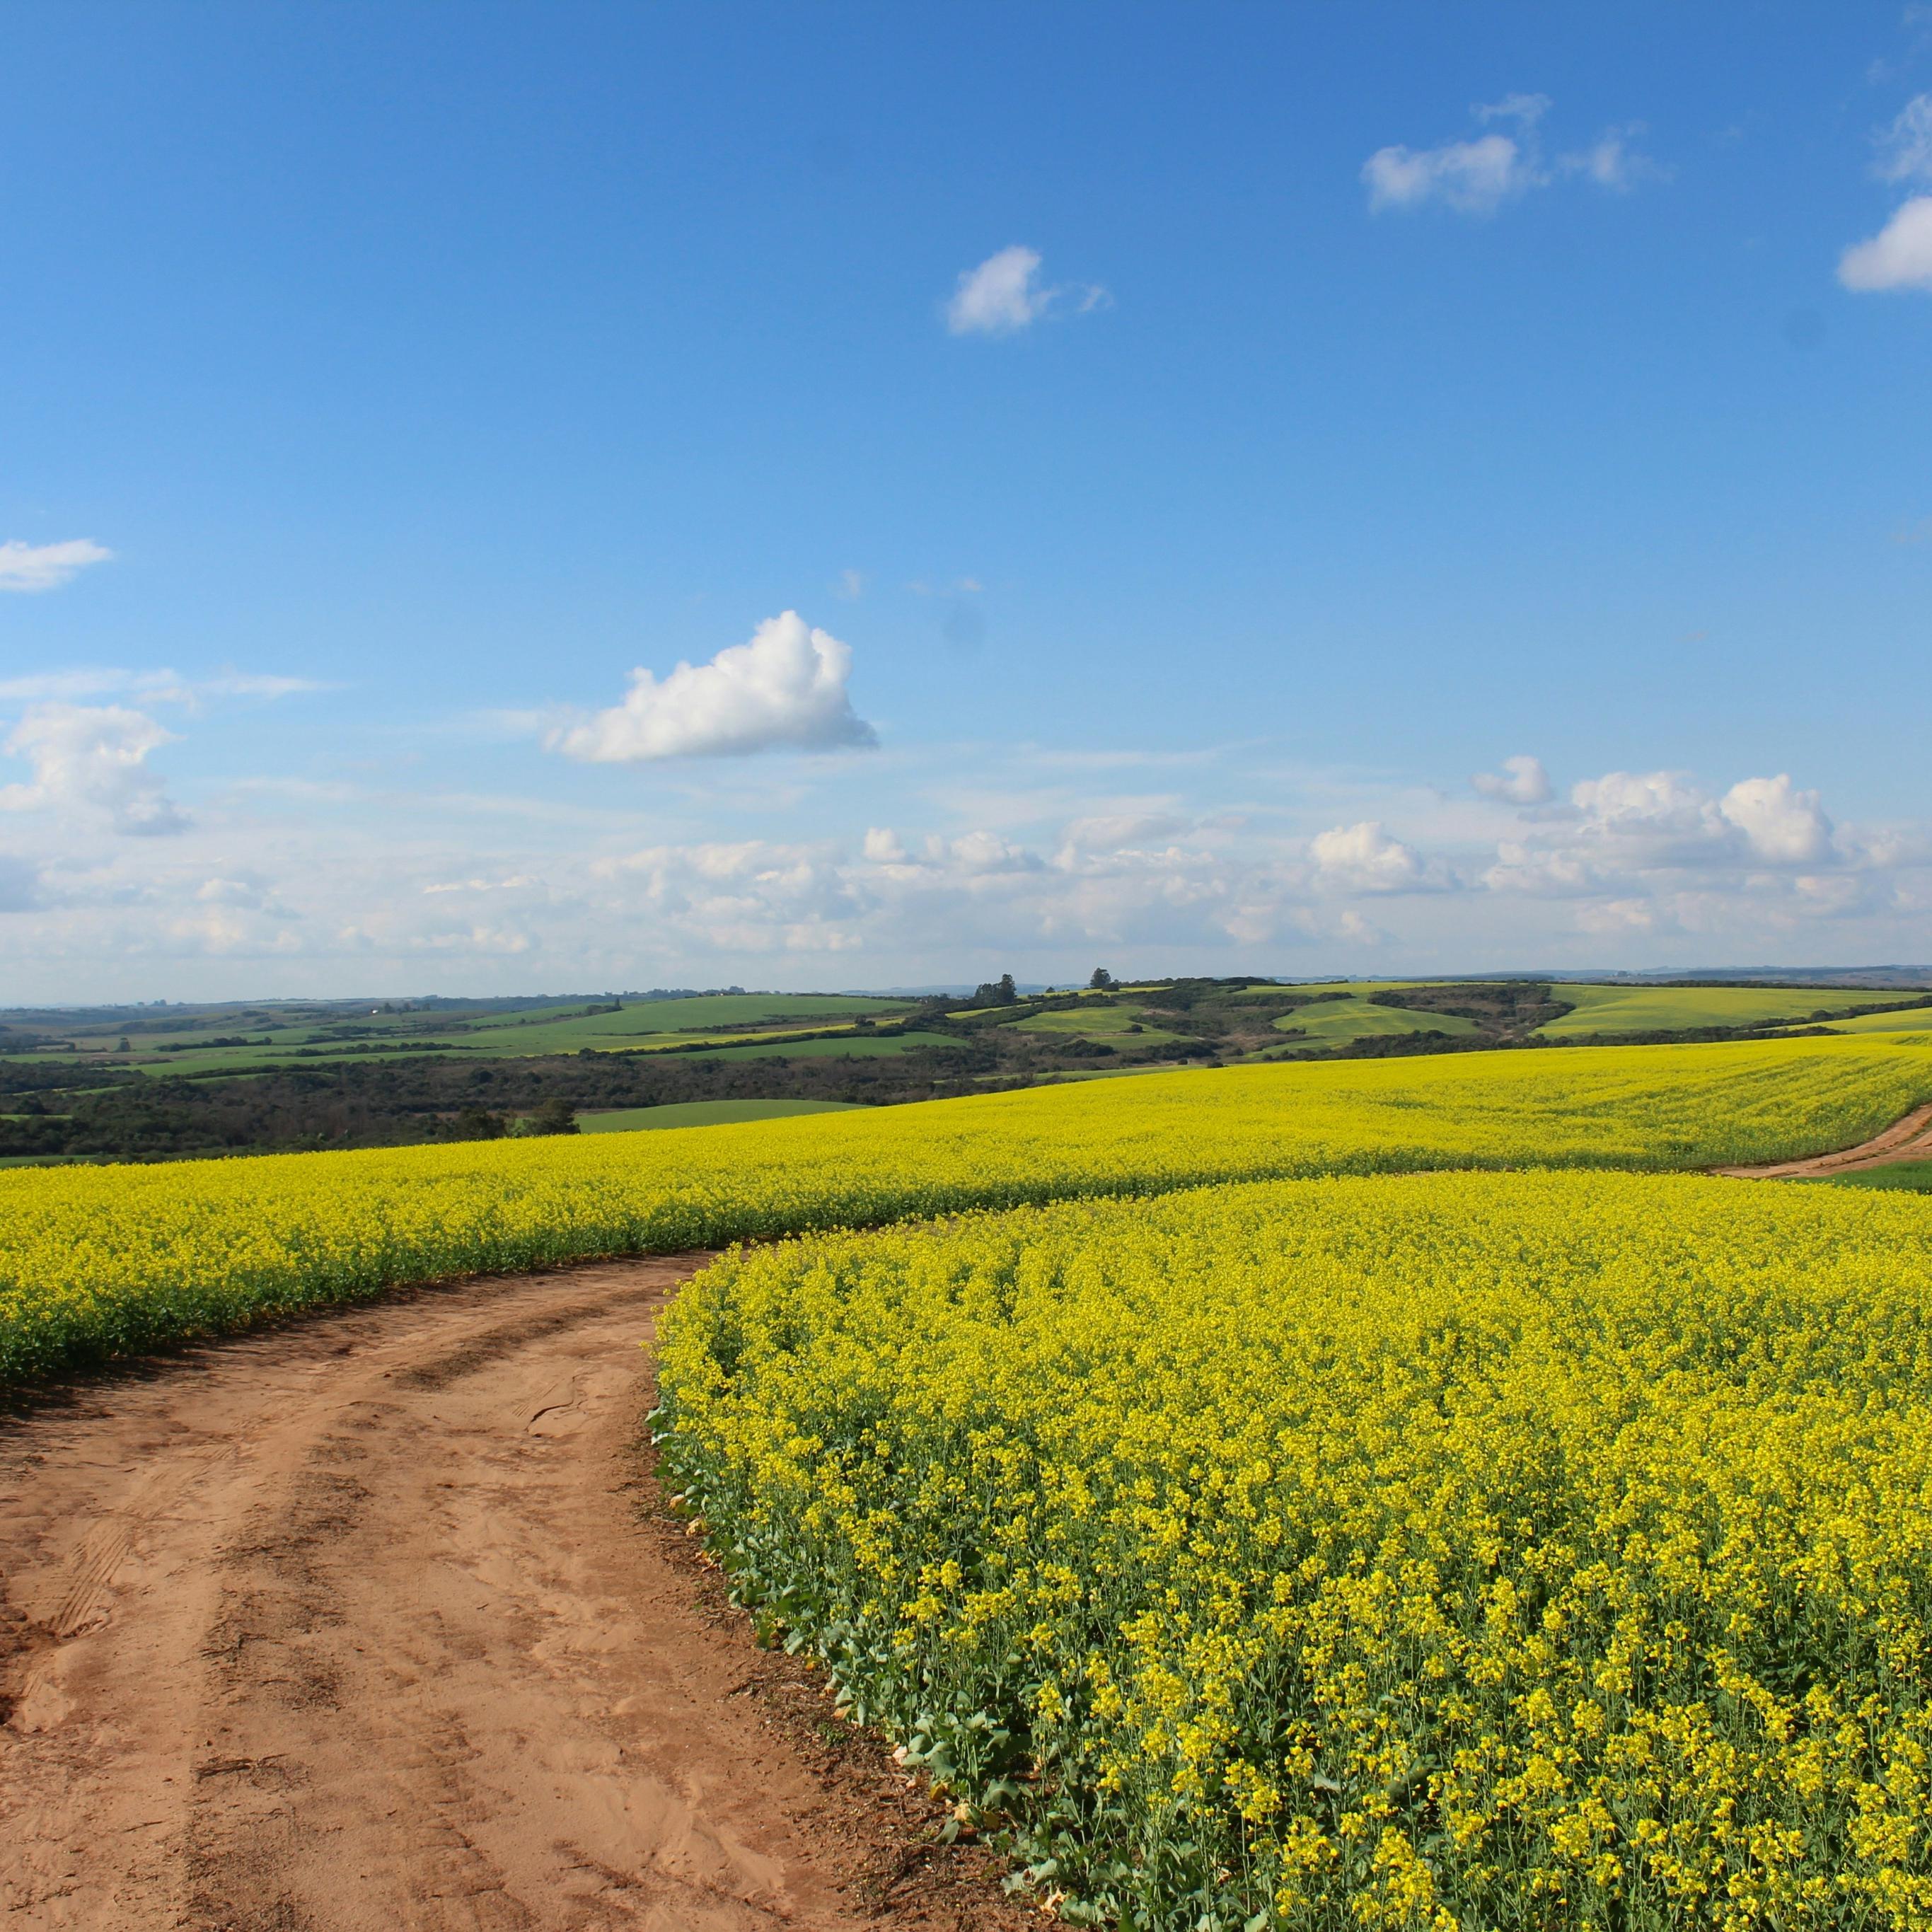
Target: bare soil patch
377 1621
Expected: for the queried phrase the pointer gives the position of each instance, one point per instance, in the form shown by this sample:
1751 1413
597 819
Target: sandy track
1907 1139
358 1623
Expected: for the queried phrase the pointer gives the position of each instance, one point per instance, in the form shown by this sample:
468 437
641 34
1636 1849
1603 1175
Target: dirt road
1907 1139
359 1625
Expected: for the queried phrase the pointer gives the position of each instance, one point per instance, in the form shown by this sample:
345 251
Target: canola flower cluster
1545 1550
101 1262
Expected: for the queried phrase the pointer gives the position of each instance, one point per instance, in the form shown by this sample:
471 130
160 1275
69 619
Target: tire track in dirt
370 1622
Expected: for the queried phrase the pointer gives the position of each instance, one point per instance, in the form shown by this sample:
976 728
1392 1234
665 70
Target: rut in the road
361 1624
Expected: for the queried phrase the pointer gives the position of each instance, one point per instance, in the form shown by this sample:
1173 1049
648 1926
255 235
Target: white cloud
93 760
1654 818
1522 781
786 689
1008 859
1898 256
1628 845
851 584
1364 858
1478 176
1004 293
1905 148
1522 867
31 567
1783 826
1472 177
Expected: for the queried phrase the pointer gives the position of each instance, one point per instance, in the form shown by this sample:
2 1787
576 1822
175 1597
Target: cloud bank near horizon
1035 859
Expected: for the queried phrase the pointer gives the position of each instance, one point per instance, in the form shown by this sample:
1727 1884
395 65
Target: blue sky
1348 399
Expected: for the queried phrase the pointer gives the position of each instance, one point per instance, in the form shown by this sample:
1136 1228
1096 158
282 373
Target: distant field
1659 1009
1917 1019
1096 1022
855 1046
1336 1022
519 1032
543 1033
706 1113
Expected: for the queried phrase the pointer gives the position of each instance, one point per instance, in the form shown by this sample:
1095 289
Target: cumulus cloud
32 567
785 690
1656 817
1781 825
1364 858
1898 256
1479 175
92 761
1522 781
1659 853
1522 867
1667 819
1005 294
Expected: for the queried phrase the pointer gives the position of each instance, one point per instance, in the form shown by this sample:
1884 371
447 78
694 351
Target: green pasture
851 1046
705 1114
1914 1019
1338 1022
709 1019
1328 986
1663 1009
634 1025
1095 1022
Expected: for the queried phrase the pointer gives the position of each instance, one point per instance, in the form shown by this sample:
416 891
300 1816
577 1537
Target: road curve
1908 1139
358 1625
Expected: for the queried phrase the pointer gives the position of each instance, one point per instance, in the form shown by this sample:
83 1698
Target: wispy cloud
1905 146
1479 175
34 567
1005 294
149 687
1610 161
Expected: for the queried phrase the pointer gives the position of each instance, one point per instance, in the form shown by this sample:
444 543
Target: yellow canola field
105 1260
1538 1551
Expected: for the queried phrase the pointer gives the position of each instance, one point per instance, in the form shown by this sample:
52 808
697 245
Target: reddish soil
1908 1139
374 1622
